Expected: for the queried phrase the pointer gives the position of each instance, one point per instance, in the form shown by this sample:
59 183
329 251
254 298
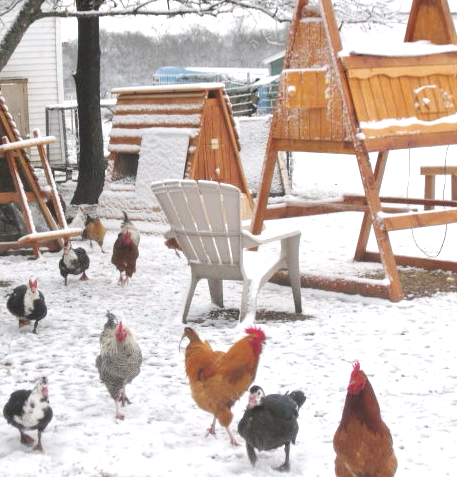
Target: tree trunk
87 79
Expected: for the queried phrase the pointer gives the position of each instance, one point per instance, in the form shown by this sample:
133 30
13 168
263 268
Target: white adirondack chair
205 220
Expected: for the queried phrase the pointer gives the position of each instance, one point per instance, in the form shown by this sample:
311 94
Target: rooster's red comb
356 368
254 330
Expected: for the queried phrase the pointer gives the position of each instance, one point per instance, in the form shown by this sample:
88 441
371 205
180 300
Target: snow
406 348
253 136
389 48
174 87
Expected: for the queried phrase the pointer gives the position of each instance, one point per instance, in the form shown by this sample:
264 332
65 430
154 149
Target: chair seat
205 219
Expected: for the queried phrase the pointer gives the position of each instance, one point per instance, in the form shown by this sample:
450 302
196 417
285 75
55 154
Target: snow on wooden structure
331 101
169 132
19 185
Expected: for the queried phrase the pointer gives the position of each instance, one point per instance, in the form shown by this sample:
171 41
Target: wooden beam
49 235
26 143
419 219
369 288
360 199
417 262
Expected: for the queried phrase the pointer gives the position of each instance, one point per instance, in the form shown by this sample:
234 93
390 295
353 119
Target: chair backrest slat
205 218
222 203
198 216
168 194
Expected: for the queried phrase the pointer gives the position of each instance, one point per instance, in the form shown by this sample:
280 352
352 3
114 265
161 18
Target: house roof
274 57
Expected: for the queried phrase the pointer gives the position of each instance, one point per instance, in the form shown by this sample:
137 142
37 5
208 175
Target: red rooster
218 379
362 442
125 254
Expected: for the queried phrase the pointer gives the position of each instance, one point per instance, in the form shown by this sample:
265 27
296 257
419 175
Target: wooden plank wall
404 95
136 112
318 122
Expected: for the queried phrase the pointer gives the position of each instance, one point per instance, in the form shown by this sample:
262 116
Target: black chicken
29 409
74 261
27 303
270 422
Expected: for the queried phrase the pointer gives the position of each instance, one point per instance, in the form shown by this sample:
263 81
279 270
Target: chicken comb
254 330
356 368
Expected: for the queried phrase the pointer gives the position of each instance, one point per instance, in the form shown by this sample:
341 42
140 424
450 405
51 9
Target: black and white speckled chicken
270 422
28 410
27 303
119 361
74 261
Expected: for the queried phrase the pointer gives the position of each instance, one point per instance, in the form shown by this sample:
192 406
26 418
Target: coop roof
162 106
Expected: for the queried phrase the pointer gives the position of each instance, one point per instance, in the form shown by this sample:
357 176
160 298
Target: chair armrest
250 240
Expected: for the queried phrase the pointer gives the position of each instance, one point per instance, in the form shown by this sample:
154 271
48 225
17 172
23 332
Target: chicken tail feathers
126 218
111 320
191 334
298 397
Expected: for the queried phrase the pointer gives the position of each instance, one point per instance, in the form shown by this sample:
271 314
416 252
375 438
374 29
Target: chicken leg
285 467
38 447
26 439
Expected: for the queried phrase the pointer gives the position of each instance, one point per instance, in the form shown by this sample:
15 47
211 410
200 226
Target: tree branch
30 12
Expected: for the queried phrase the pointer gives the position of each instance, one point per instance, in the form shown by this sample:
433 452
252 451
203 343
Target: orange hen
362 442
218 379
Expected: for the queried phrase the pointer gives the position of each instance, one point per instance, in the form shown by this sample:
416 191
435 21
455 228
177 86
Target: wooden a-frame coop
19 185
150 119
356 104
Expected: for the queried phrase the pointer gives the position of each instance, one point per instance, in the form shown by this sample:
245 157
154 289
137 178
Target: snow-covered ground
406 348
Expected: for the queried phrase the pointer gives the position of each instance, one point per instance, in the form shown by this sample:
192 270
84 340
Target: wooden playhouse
332 101
165 132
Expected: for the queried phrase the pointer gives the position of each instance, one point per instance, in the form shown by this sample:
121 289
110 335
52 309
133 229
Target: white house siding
38 58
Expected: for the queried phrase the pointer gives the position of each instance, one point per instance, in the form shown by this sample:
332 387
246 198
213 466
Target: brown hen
362 442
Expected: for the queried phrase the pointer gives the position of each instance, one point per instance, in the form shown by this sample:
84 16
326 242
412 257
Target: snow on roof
167 88
384 48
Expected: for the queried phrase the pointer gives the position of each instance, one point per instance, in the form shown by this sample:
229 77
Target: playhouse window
126 167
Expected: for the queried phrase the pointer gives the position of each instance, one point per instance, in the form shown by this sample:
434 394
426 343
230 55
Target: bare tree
87 77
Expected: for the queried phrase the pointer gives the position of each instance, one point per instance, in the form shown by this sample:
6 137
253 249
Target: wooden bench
430 173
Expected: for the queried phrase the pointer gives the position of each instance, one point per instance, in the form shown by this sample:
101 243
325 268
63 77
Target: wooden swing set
330 102
19 184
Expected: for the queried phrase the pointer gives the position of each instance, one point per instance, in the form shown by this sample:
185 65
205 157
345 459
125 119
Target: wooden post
363 160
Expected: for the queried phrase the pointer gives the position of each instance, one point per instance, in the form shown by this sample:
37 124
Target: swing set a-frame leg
361 249
372 184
